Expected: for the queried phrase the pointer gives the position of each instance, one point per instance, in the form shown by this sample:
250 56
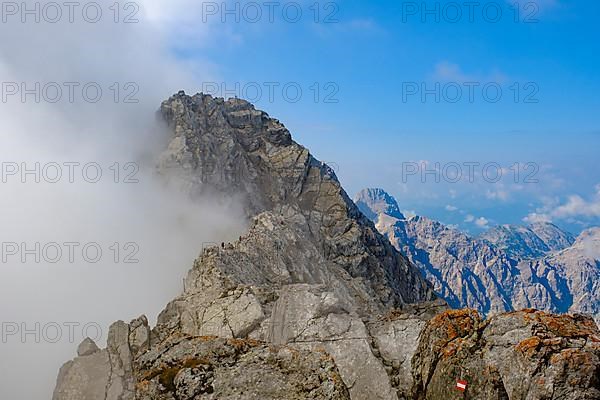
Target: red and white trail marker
461 385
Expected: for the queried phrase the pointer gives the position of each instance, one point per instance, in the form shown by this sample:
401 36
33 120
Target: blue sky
371 54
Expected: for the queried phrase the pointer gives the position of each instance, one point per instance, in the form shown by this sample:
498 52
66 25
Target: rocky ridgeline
312 302
529 242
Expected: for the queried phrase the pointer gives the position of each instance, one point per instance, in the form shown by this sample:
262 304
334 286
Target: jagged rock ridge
528 242
311 303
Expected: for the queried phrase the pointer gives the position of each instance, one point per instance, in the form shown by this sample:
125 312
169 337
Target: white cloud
479 221
575 207
168 228
446 71
451 208
500 194
482 222
591 243
536 218
409 213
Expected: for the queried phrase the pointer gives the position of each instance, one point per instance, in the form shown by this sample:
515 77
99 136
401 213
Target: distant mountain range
525 242
507 268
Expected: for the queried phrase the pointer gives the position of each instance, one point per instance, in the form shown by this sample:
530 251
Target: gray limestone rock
215 368
521 355
312 302
87 347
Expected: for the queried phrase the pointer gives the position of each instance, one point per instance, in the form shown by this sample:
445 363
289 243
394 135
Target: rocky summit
312 302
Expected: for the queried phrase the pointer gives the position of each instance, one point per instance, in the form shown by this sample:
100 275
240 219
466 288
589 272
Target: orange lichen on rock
143 385
452 348
529 346
573 358
529 310
567 326
540 381
325 356
453 324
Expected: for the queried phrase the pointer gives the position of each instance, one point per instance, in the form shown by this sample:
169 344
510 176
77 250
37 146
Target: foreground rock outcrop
311 303
521 355
215 368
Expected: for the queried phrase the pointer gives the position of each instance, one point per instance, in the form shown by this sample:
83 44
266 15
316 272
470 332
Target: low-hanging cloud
147 232
574 207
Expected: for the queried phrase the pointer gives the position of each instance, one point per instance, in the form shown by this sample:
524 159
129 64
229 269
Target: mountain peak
311 286
374 201
309 268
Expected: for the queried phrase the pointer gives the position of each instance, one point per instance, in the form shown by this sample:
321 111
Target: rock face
475 273
188 368
100 374
311 303
233 149
522 355
528 242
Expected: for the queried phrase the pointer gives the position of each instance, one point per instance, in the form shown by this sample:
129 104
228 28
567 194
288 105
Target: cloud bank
147 233
573 208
